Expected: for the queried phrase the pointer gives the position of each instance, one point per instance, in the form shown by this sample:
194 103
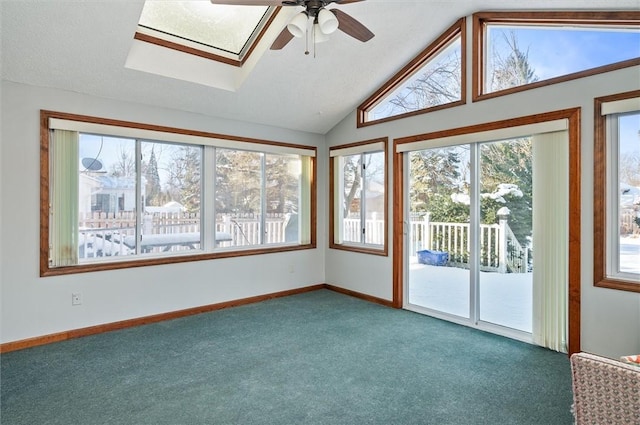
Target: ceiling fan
325 21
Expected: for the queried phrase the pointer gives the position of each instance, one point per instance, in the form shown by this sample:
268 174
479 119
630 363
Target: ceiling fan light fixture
298 25
327 21
318 35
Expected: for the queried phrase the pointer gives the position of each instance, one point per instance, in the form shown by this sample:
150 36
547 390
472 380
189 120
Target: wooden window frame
361 248
432 50
45 196
481 19
208 53
574 117
600 187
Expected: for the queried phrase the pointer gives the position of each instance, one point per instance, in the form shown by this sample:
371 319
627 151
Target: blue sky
630 134
560 51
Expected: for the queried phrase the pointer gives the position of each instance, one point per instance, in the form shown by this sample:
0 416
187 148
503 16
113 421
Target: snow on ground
630 254
505 299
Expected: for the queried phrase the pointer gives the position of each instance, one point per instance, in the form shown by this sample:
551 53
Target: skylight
203 25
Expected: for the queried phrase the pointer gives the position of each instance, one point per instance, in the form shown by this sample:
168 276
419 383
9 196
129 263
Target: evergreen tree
238 182
512 69
184 184
508 163
436 175
153 188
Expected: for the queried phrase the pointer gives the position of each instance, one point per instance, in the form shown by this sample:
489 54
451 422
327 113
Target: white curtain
551 239
305 199
63 180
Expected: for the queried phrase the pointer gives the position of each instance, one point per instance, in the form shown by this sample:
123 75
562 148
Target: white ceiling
82 46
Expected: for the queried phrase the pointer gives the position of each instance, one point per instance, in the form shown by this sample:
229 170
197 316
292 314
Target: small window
359 197
617 192
433 80
521 50
120 194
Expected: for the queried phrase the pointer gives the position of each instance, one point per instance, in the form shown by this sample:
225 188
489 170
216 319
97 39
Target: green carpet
314 358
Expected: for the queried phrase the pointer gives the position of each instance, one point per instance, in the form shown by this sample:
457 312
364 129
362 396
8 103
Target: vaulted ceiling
83 46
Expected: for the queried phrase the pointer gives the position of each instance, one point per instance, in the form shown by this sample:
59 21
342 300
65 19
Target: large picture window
359 197
617 192
123 194
515 51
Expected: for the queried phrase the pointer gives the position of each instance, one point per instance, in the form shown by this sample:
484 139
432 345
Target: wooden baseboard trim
108 327
360 295
123 324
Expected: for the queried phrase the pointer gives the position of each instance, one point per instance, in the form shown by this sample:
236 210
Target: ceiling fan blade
282 40
248 2
352 27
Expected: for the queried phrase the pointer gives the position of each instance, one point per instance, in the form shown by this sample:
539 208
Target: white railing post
374 227
426 231
226 227
503 216
147 224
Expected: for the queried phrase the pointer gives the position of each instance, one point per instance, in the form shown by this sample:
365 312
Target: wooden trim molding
456 30
557 18
359 295
237 62
45 270
398 228
363 249
123 324
600 189
573 116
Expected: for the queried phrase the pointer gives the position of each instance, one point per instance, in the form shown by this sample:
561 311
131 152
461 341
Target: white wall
32 306
610 318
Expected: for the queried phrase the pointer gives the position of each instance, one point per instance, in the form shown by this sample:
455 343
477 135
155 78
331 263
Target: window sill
46 271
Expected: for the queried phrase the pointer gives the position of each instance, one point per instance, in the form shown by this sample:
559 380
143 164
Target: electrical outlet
291 268
76 299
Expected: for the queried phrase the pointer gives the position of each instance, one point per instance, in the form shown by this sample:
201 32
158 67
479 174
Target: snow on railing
105 235
500 250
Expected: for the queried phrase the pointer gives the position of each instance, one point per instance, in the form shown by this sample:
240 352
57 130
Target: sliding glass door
470 232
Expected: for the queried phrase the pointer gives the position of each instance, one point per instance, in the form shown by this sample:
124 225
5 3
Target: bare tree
437 84
511 69
125 165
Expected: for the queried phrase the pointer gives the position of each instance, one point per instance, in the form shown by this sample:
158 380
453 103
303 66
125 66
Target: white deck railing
104 235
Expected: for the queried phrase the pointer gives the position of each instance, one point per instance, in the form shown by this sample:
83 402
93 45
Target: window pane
106 196
171 193
283 198
221 26
238 197
629 199
439 199
374 198
351 186
518 55
437 82
506 263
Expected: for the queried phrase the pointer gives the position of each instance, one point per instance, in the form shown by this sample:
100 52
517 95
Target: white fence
500 250
104 234
107 235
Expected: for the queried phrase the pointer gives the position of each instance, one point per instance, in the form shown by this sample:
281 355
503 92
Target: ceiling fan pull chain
306 40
